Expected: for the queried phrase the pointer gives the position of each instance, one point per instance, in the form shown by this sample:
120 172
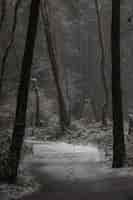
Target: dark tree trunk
63 112
20 120
118 130
3 12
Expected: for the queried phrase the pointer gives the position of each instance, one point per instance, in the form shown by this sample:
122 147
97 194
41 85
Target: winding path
68 171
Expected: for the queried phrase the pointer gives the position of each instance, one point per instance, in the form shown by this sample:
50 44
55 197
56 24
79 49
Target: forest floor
81 132
80 159
77 168
79 162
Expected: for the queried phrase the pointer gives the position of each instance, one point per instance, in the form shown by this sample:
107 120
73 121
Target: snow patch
80 152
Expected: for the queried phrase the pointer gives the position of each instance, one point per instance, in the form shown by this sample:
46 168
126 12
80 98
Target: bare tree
63 113
102 64
3 12
23 90
9 46
118 129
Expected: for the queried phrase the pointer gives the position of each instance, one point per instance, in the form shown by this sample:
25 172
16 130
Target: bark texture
118 130
20 120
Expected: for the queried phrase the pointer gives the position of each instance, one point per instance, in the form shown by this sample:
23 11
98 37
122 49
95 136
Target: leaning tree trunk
118 130
20 120
102 64
63 113
9 46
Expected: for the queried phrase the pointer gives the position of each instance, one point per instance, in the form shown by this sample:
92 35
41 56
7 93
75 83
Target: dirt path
68 171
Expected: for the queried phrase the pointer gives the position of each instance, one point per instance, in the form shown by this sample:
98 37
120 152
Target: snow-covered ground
63 167
65 161
81 155
55 149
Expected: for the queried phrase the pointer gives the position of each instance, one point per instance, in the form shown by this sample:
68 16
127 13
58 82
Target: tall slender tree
3 12
9 46
20 119
118 130
102 65
64 114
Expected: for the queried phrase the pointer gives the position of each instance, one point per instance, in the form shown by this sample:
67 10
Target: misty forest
66 99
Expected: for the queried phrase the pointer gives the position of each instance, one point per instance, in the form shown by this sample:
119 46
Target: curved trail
68 171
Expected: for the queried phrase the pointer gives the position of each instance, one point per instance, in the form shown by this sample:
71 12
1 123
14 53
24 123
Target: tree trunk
20 119
102 64
37 122
94 110
37 97
3 12
9 46
118 129
63 113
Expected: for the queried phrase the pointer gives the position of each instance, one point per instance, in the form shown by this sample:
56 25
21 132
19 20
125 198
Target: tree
20 118
102 64
3 13
37 97
9 46
118 130
64 114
